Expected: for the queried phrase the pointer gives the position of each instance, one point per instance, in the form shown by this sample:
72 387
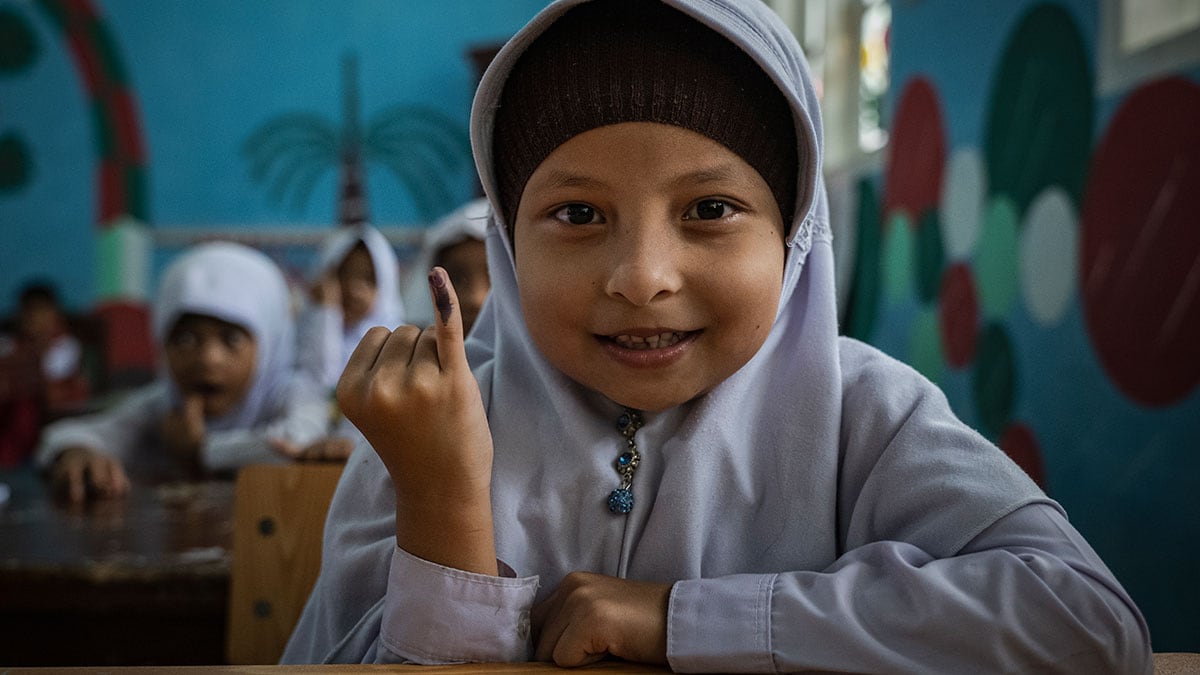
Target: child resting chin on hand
228 395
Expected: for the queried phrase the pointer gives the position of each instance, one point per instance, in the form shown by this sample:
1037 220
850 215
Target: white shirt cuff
697 641
435 614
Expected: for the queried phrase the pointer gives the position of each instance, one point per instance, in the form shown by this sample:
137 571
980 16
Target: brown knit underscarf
613 61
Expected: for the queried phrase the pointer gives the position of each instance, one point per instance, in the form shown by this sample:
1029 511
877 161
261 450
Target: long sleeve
1027 594
119 431
464 616
319 344
300 419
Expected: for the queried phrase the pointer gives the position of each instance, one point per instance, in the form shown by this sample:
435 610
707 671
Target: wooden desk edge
1165 663
611 667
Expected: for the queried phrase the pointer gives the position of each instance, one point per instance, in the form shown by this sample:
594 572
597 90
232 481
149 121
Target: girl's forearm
449 527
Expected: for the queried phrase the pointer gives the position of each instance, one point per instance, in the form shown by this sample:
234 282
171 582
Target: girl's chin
217 408
653 401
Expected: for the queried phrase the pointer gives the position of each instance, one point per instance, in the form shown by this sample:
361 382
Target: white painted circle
963 194
1049 258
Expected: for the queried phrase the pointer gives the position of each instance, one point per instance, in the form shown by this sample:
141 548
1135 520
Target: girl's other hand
412 394
81 473
327 290
328 449
592 615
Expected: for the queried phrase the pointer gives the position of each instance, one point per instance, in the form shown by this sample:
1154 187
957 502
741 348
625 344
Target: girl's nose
211 352
644 264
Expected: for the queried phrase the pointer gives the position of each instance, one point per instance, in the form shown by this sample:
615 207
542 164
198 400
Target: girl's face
356 278
649 260
212 358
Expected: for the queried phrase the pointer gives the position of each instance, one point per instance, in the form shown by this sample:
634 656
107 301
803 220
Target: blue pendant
620 501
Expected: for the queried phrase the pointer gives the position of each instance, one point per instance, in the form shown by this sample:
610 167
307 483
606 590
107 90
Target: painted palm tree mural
421 147
18 52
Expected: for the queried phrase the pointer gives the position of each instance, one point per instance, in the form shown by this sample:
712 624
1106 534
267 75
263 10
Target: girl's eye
184 339
233 338
578 214
709 209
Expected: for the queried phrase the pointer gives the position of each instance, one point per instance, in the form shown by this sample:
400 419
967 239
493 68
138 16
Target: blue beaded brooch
620 501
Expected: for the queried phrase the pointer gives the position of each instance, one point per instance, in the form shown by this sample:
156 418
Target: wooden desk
605 667
1164 664
138 581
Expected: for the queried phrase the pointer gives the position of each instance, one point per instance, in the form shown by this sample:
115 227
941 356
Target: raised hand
327 290
183 430
592 615
412 394
327 449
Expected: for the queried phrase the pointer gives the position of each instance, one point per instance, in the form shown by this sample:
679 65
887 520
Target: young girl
223 321
654 444
354 285
456 244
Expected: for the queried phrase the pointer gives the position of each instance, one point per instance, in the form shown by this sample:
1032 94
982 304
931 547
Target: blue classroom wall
204 76
1098 395
201 78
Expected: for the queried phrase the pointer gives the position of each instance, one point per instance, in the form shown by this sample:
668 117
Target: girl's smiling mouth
648 348
655 341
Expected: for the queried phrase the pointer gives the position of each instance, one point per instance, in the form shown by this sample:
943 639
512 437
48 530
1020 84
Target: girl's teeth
653 342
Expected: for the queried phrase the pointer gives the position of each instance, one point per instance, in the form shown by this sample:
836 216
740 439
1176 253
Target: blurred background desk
138 581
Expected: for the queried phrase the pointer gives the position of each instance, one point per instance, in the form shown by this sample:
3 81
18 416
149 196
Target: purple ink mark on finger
441 294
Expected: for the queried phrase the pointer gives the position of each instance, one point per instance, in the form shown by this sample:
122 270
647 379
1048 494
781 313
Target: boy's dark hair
613 61
38 291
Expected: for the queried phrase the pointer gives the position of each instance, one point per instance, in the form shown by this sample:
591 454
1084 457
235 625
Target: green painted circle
994 380
931 257
863 301
898 258
925 344
18 45
997 258
1039 128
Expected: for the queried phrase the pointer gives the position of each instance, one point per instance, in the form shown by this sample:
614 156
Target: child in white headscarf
654 445
228 389
456 244
355 285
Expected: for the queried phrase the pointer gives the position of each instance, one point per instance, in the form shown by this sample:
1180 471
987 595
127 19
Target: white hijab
776 422
388 309
240 285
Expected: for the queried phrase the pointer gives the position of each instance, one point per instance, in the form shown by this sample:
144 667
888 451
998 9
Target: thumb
451 352
193 408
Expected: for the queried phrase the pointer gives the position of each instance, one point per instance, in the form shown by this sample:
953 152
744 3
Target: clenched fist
412 394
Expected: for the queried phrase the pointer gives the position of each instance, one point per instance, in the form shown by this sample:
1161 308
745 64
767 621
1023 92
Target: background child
41 371
354 285
224 325
655 445
456 244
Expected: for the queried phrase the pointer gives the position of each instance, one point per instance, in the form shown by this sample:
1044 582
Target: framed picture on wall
1142 39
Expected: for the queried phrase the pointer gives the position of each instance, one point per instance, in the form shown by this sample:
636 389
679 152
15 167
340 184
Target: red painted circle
1140 244
1019 443
916 152
958 306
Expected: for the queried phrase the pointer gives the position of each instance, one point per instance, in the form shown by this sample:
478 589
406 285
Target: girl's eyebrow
558 178
713 174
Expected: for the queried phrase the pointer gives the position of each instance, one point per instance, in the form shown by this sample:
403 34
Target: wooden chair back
279 517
